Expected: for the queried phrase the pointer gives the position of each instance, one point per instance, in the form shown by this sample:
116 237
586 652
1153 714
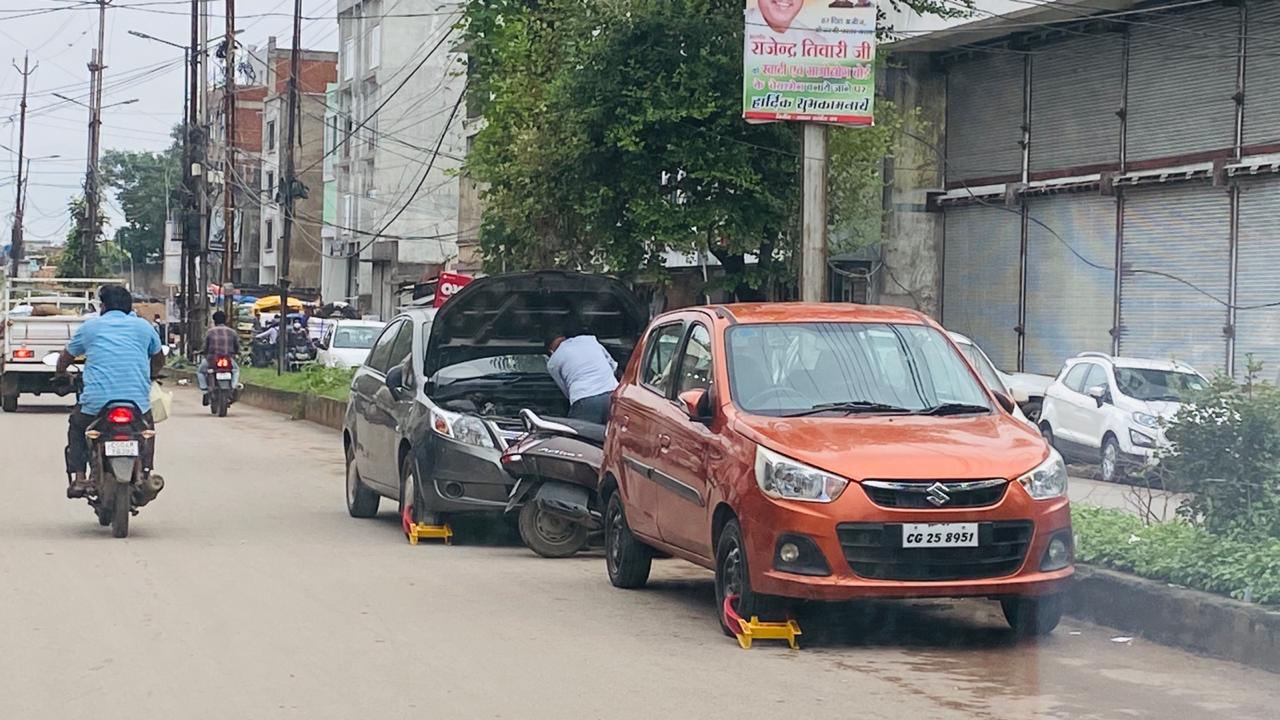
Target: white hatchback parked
1109 410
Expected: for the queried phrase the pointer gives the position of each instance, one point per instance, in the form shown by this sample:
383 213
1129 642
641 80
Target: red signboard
447 285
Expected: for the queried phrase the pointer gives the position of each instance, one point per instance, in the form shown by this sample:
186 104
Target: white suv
1108 410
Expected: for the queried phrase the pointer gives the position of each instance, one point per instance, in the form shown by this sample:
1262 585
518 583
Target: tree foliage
146 184
71 260
613 133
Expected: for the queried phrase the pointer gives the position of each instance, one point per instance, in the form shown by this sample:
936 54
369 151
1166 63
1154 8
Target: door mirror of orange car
1099 394
1006 402
698 404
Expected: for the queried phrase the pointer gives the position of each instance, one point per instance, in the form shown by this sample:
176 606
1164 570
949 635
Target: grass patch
1245 568
313 380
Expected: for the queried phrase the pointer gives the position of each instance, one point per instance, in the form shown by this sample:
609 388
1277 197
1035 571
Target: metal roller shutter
1262 74
1185 231
980 278
1182 76
1070 305
1258 276
984 118
1076 88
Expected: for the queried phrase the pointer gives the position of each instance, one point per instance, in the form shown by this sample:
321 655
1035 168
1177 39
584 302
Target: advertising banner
448 285
809 60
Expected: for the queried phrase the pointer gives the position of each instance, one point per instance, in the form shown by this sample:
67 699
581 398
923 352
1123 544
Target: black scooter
557 470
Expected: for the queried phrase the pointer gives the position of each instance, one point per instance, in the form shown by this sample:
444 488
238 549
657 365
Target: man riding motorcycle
222 341
122 353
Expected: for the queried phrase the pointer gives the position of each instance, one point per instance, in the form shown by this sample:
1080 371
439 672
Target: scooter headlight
467 429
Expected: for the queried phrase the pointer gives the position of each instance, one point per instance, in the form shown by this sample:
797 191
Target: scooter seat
593 432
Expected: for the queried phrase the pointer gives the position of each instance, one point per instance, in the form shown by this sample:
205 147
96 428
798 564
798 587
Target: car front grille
931 495
874 551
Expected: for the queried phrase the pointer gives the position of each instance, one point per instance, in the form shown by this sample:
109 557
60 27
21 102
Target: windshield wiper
955 409
849 407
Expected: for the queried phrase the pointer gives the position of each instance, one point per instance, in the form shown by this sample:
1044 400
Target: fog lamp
789 552
1058 554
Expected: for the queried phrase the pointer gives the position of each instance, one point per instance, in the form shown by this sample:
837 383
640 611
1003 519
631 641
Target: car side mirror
697 403
1099 394
395 381
1006 402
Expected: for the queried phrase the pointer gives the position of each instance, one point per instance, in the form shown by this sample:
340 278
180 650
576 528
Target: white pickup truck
37 318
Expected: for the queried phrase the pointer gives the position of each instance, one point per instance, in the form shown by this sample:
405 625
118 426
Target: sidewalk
1163 505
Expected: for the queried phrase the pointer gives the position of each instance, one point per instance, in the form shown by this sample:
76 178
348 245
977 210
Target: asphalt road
245 591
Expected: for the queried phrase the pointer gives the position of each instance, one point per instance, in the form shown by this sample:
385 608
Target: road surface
245 591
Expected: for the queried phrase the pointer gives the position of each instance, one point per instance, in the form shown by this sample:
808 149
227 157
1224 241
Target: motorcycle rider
122 353
585 372
220 340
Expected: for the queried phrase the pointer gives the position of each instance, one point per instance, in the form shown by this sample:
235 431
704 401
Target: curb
1201 622
314 408
1204 623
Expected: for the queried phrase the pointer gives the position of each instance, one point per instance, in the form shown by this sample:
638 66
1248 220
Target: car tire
361 501
733 577
9 403
549 535
1032 410
1110 466
1032 617
627 559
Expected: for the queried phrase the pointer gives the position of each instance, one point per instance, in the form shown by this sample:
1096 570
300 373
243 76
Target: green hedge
1176 552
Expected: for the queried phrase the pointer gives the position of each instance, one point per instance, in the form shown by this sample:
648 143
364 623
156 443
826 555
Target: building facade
245 178
1108 184
317 70
399 93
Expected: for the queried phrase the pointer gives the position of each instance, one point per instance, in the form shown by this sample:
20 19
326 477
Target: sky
59 35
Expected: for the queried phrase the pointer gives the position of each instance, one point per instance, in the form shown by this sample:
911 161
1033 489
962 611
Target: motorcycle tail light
120 416
222 363
24 354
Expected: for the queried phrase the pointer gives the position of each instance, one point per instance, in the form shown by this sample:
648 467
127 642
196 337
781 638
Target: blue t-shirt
117 350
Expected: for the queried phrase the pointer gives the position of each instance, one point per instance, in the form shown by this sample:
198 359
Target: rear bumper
22 377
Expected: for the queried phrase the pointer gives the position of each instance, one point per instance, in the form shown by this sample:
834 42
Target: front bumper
462 478
766 522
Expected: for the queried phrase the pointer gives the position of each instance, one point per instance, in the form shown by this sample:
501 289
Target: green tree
71 261
146 184
613 134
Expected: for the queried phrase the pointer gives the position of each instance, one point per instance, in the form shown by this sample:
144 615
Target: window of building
375 46
271 134
348 58
269 236
271 186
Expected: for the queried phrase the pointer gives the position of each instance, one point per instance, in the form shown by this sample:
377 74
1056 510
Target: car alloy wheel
1110 463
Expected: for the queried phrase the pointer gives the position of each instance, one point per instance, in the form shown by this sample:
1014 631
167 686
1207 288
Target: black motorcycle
119 441
222 391
557 470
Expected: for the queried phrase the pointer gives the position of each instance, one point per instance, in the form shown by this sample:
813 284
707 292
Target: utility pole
96 65
192 239
202 285
289 185
813 229
228 164
19 203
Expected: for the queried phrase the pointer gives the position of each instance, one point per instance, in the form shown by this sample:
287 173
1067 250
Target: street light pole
287 180
15 249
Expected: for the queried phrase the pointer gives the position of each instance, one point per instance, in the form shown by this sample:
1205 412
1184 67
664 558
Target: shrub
1225 452
1180 553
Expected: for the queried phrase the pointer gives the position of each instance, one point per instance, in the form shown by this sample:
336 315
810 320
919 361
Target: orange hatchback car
830 452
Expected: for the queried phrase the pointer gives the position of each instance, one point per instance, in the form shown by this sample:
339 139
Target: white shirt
582 368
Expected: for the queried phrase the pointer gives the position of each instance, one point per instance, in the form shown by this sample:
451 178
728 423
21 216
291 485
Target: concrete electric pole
89 238
228 164
19 203
289 185
813 229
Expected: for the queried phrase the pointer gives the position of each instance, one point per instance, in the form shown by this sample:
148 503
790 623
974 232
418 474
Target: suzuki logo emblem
938 494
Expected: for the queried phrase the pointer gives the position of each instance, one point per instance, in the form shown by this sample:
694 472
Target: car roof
782 312
959 339
361 323
1133 362
420 314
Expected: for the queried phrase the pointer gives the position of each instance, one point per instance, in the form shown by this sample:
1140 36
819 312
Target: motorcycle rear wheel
549 535
120 510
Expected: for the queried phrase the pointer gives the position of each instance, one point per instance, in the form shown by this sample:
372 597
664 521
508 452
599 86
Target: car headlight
467 429
781 477
1146 420
1141 439
1048 479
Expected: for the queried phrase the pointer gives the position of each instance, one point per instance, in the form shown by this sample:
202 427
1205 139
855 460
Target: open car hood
514 314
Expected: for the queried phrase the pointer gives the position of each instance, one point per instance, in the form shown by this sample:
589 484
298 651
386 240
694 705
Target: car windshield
530 364
360 338
790 368
983 366
1152 384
